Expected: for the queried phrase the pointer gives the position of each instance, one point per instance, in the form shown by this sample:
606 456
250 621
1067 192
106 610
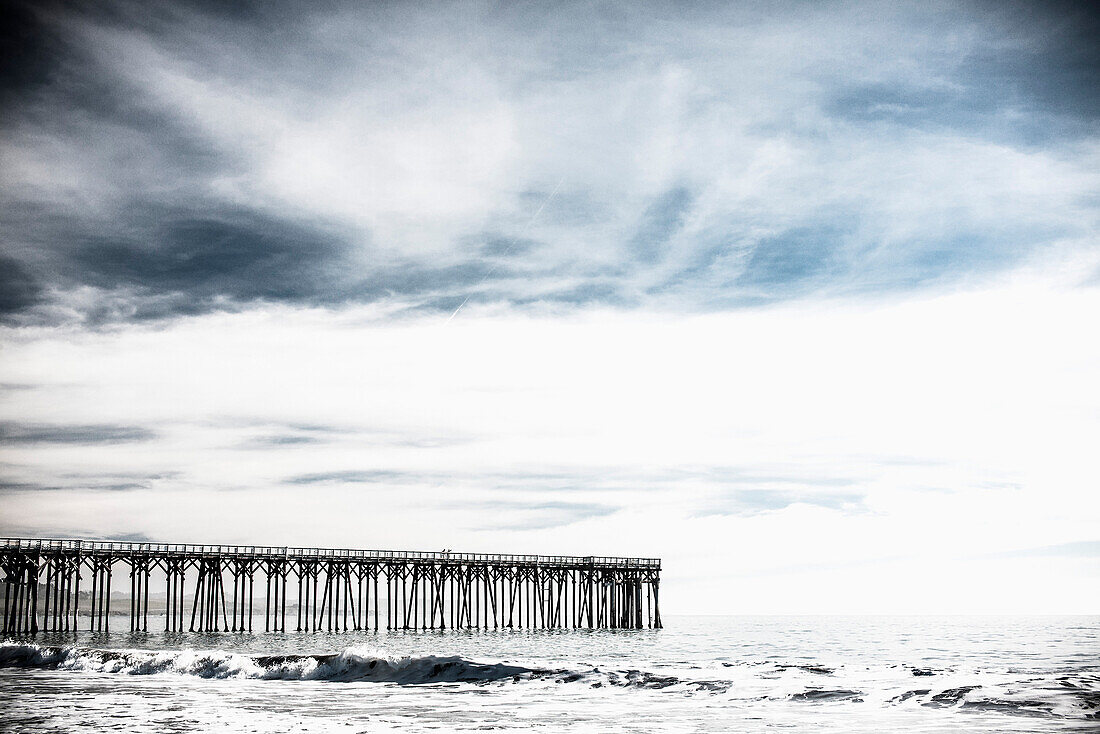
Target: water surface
710 674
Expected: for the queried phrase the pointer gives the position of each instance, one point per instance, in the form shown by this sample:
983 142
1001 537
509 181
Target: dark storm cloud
249 258
1060 71
188 264
1051 77
167 159
18 288
13 434
162 245
26 53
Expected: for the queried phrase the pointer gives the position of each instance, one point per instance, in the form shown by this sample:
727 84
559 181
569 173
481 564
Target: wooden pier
333 590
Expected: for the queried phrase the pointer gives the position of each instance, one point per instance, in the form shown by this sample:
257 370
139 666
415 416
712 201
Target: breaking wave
1069 696
349 665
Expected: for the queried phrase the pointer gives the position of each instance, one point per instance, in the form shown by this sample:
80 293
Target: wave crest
349 665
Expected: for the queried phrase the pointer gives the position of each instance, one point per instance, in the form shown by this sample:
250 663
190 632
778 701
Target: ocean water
699 674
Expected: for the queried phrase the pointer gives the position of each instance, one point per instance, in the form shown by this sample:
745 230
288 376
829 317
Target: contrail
509 248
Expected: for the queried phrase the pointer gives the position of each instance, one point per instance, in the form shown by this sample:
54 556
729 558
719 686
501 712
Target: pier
229 588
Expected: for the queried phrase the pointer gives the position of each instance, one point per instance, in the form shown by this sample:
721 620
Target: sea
698 674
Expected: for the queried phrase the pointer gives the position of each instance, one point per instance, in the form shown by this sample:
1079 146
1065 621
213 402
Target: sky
801 298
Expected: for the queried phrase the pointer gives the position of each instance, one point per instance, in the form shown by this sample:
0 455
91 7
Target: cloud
15 433
18 289
355 477
129 537
54 533
811 271
576 478
662 219
92 482
174 159
236 257
706 491
538 515
264 442
1080 549
753 501
565 478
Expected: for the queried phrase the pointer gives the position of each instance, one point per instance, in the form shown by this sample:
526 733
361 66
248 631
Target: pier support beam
422 591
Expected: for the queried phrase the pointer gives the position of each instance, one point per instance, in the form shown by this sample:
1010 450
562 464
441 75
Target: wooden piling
423 591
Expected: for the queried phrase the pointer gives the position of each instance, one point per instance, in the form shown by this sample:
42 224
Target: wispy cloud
281 440
508 515
603 477
16 433
754 501
34 479
357 477
164 160
1080 549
